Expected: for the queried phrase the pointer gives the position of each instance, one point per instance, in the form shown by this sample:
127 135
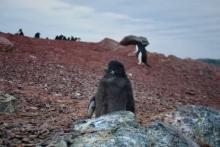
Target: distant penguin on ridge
141 54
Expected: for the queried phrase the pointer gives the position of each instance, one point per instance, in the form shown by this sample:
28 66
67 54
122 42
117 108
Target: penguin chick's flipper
91 107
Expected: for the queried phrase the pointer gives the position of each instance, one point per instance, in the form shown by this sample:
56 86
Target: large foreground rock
121 129
201 124
202 128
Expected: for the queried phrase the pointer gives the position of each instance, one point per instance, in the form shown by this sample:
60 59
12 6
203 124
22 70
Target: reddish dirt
53 81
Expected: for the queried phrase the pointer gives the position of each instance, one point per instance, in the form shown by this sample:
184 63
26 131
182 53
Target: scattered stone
130 74
26 140
8 103
33 57
77 95
33 108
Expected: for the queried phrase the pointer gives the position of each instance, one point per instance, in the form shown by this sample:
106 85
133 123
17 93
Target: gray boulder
114 129
7 102
121 129
201 124
161 134
201 128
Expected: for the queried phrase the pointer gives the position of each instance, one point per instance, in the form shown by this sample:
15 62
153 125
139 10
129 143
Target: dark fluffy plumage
114 91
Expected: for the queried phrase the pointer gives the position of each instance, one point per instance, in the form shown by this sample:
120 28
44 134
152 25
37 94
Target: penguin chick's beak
109 71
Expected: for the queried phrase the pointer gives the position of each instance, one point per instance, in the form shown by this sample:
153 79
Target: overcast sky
184 28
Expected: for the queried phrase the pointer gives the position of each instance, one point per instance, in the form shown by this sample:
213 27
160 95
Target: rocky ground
53 80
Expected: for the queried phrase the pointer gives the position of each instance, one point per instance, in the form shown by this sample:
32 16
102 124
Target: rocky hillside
52 81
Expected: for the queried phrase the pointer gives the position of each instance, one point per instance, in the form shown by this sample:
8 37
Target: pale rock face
6 45
5 41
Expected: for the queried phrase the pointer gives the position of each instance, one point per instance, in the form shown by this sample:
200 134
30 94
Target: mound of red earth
53 80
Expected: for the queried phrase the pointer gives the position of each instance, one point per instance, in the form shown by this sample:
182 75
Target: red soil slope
54 80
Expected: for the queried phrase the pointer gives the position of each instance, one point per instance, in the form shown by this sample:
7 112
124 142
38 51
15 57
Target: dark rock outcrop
132 39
